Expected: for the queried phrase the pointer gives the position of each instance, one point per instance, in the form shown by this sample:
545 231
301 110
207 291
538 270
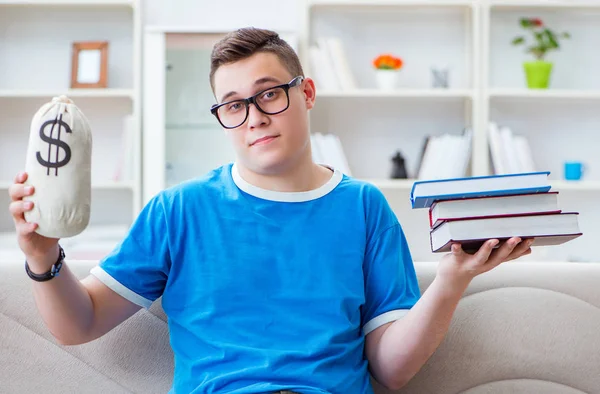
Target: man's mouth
264 140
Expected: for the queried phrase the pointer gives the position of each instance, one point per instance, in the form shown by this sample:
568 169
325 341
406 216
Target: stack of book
472 210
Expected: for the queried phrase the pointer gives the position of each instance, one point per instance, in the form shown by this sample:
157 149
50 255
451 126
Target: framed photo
89 64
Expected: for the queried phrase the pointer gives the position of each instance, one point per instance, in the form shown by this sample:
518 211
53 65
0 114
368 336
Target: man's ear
309 92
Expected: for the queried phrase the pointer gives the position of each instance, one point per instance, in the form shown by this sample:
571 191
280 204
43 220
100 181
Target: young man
276 273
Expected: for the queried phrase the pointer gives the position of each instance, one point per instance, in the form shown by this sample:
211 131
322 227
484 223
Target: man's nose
255 117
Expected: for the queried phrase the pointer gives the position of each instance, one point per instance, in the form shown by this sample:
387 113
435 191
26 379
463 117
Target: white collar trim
265 194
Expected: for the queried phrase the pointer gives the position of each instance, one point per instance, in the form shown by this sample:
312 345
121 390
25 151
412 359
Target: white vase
386 79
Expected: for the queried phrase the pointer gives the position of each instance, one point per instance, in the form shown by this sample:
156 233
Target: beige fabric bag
58 164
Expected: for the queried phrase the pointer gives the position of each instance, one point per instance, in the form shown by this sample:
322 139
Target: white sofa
522 328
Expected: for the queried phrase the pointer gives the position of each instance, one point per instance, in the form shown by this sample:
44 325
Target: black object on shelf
398 167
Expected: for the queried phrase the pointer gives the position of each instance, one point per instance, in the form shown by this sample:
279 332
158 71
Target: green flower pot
538 74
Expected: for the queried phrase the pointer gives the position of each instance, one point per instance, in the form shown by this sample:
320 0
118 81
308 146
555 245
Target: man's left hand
458 268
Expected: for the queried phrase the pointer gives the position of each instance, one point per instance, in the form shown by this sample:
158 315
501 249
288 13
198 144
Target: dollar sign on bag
54 141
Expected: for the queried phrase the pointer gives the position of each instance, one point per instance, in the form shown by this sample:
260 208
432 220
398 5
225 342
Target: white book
341 65
441 211
433 158
546 229
509 151
124 167
465 157
340 156
497 155
425 193
324 75
524 154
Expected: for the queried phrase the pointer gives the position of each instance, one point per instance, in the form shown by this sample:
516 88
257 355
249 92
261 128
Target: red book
546 228
472 208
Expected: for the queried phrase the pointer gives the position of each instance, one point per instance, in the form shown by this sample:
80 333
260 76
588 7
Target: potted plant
538 72
387 67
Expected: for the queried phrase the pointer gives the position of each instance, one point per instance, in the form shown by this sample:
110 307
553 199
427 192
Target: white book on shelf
322 69
465 157
523 150
331 152
495 144
339 155
510 159
124 167
341 66
430 158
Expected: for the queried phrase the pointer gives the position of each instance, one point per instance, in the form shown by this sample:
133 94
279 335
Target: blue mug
574 170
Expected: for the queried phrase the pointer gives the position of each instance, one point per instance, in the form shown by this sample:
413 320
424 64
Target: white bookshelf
35 65
562 122
487 83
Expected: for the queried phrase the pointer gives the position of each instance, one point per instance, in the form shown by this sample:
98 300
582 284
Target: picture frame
89 64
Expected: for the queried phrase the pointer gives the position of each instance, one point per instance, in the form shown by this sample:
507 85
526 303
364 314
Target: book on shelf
509 153
545 228
424 193
327 149
330 64
445 156
124 167
478 207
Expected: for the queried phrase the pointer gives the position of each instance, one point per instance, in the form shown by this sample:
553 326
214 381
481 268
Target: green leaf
566 35
526 23
518 40
539 36
552 43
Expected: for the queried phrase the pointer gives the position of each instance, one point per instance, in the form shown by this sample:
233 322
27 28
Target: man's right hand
41 252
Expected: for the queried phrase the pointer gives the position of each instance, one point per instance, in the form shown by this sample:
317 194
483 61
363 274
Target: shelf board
545 93
557 185
107 185
395 3
392 184
520 4
70 3
399 93
85 93
575 185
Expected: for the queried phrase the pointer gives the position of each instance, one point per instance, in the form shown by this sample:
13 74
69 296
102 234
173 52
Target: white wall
224 15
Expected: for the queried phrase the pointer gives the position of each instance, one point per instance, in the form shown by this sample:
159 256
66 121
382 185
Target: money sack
58 164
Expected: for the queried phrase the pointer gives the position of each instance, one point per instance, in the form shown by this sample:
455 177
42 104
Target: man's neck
300 178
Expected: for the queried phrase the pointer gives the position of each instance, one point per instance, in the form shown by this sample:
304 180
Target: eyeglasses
270 101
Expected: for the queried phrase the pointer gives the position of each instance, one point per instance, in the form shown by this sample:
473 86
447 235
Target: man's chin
268 165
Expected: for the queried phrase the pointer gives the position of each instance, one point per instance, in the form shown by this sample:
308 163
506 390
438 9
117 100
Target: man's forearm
408 343
64 304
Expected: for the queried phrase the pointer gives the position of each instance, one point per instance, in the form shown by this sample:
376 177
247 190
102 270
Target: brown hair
245 42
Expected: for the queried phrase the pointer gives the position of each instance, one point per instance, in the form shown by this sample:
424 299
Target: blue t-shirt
267 290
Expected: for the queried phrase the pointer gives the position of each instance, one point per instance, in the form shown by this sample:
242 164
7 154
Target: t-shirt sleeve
391 286
138 267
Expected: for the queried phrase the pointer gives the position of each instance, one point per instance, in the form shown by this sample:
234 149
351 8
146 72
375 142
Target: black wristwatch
54 270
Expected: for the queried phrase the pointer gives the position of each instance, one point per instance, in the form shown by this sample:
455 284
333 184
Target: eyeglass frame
252 100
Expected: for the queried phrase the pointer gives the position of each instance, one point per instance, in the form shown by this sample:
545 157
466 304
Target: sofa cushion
522 328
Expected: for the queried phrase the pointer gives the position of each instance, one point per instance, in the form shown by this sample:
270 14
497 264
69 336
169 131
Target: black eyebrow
259 81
